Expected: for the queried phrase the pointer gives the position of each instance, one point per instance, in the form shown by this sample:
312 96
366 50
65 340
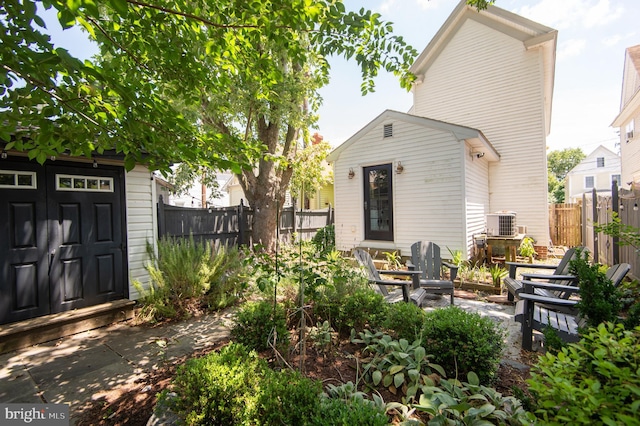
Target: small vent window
84 183
388 130
17 179
600 161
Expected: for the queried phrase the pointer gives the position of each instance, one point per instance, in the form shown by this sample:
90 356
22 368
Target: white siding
427 197
477 197
487 80
630 154
141 224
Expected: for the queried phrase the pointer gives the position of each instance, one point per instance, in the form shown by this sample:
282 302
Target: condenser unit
502 224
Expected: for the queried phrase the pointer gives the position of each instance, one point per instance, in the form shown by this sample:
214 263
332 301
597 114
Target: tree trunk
264 223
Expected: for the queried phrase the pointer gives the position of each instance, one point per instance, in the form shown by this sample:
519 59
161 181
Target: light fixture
53 158
95 164
4 154
476 154
351 173
621 207
635 207
399 168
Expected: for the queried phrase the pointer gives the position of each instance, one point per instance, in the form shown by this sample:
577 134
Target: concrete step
50 327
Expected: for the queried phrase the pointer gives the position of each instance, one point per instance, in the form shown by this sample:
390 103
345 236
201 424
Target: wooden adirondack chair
425 256
536 312
559 276
409 291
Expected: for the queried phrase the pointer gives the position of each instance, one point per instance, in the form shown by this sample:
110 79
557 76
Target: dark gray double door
62 238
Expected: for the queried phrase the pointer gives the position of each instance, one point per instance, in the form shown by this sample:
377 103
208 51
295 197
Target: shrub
354 412
599 299
462 342
594 381
255 324
187 275
325 239
404 321
287 398
221 388
363 307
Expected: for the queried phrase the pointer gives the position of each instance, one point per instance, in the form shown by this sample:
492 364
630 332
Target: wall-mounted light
477 154
53 158
4 154
635 207
95 164
621 207
399 168
351 173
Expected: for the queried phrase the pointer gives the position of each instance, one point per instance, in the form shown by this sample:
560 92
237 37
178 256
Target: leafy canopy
161 63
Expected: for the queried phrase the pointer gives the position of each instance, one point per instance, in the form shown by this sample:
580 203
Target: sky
592 38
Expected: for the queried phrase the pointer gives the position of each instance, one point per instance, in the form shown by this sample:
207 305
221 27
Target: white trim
16 174
83 188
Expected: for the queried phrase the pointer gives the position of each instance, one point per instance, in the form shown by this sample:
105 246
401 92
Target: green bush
220 388
404 321
462 342
599 298
325 239
287 398
184 271
363 307
256 323
595 381
354 412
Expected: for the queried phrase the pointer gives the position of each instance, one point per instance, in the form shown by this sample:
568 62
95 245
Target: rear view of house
490 73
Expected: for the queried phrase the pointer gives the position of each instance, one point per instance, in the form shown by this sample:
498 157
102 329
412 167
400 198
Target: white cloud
432 4
570 48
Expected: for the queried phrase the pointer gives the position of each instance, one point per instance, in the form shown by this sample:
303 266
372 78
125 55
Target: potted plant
526 248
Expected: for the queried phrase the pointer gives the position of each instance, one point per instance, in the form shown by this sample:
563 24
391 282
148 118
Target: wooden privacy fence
598 209
232 225
565 224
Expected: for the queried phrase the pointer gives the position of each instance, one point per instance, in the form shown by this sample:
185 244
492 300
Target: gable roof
473 136
630 99
589 163
532 35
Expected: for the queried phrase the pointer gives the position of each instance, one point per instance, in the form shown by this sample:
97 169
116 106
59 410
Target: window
615 178
600 161
17 179
84 183
588 182
629 130
388 130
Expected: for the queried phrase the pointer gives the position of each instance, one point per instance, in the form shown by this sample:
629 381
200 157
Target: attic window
388 130
600 161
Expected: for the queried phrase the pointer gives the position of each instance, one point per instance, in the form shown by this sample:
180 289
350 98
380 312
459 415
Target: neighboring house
484 89
320 200
628 121
200 196
73 233
597 170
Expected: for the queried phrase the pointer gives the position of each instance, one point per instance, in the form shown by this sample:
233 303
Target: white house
629 118
490 73
597 170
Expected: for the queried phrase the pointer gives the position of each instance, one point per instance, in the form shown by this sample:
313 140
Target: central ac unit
502 224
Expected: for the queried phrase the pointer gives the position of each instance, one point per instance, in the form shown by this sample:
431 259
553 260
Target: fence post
161 220
615 206
240 213
594 219
329 215
293 219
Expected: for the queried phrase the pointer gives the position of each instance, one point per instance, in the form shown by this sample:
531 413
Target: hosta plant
397 365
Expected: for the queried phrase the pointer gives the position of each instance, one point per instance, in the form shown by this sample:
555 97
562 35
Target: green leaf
120 6
473 379
396 368
398 380
376 377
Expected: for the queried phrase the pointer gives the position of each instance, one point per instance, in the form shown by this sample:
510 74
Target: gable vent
388 130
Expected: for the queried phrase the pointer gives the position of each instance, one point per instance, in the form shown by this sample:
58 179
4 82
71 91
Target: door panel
24 288
378 203
86 230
